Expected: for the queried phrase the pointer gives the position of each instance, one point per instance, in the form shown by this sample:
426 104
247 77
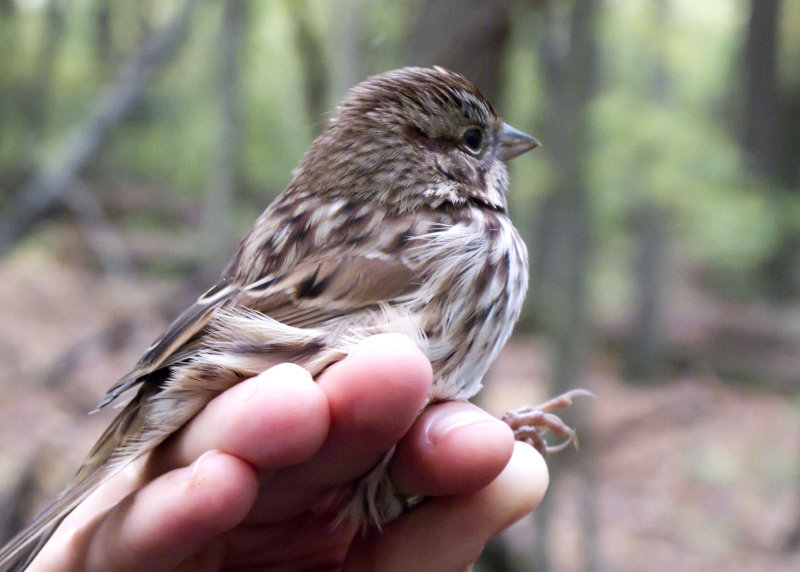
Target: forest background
139 139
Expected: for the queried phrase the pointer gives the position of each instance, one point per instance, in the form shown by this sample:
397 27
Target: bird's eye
473 138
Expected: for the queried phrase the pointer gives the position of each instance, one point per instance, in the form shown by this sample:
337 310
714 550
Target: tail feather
18 553
107 458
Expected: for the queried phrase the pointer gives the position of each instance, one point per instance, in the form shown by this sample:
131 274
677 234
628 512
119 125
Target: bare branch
53 178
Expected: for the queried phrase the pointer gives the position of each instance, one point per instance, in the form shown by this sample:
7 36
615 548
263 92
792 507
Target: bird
395 220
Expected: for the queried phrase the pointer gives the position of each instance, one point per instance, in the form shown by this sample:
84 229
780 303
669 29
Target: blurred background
139 139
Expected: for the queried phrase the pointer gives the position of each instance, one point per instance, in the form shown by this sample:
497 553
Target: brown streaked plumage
395 220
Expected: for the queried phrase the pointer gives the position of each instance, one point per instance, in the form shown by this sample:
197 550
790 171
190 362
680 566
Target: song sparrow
394 221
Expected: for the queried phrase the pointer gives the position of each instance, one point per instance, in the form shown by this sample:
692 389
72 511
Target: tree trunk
103 39
762 129
347 45
645 350
562 251
217 234
644 354
771 138
312 58
476 47
37 103
560 262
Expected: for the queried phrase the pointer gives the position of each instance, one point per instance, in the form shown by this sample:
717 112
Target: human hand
255 480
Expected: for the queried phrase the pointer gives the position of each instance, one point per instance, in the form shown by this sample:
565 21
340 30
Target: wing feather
170 346
320 290
312 293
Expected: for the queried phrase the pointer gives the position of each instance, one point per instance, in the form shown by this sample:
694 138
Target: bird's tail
107 458
18 553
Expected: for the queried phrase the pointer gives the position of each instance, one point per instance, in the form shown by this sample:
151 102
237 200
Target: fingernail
280 372
195 466
384 342
438 426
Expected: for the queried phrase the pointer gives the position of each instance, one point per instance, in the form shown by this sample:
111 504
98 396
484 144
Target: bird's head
412 138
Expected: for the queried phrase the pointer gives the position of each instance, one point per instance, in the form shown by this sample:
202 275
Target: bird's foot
530 422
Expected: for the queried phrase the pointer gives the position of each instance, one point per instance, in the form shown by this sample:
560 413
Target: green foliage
671 141
663 124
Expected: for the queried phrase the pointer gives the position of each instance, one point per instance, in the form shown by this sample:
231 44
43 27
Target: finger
449 533
374 395
452 448
163 524
275 419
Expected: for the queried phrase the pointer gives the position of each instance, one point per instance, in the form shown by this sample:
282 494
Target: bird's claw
530 422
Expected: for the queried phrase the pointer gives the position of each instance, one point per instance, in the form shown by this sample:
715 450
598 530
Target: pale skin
253 481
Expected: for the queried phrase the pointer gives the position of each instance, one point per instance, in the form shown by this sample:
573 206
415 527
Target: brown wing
310 294
170 346
319 290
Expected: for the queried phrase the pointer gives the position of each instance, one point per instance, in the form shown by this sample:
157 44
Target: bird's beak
513 142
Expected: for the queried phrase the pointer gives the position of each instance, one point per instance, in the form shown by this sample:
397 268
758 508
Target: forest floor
689 474
692 473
